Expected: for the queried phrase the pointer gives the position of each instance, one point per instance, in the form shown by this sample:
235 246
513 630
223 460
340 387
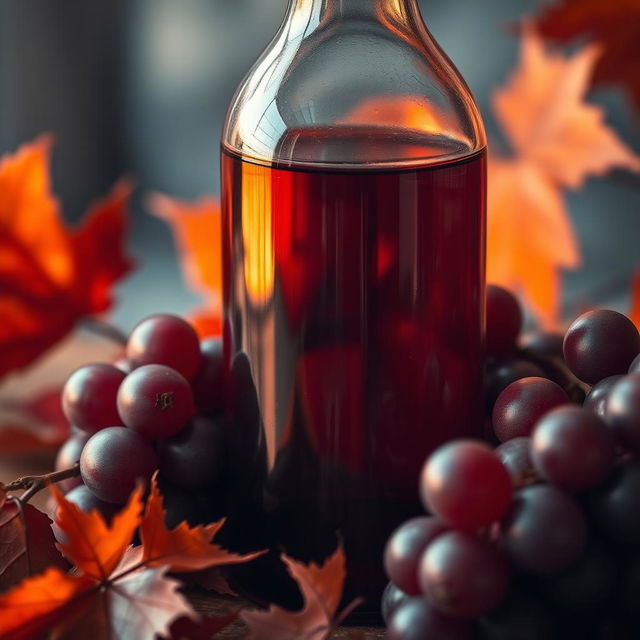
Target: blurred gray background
141 87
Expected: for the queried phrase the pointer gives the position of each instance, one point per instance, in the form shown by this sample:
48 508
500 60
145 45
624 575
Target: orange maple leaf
615 24
197 230
122 591
634 310
51 276
558 141
321 588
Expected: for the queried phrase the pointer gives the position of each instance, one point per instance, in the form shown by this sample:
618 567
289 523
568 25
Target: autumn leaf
614 24
117 591
184 548
558 141
321 588
27 544
201 628
51 276
197 230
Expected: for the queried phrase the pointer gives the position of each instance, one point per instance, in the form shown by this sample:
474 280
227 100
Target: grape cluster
538 537
159 407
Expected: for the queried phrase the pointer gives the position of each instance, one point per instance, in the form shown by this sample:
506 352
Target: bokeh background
141 87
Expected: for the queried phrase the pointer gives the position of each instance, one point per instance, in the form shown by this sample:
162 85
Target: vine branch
34 484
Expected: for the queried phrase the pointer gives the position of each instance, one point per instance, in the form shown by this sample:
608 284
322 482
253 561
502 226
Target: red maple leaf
614 24
116 591
51 276
321 588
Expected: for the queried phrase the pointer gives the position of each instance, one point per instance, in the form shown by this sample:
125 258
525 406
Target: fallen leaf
116 591
614 24
27 547
558 141
183 548
95 548
321 588
51 276
197 230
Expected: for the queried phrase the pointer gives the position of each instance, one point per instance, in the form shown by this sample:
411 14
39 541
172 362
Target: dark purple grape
416 619
600 344
208 383
68 454
547 345
463 576
615 505
522 404
544 531
572 448
113 460
519 617
500 377
194 457
597 398
194 507
87 501
404 550
515 455
165 339
89 397
392 598
504 321
155 401
464 483
584 585
623 411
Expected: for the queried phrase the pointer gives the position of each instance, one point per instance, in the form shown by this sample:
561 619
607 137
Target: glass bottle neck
381 10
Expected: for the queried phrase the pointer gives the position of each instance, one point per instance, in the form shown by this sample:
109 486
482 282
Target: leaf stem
34 484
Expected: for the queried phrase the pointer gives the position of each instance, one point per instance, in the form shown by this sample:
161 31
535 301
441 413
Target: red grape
622 411
156 401
615 505
392 597
464 483
416 619
463 576
545 344
522 404
113 460
500 377
600 344
544 531
68 454
515 455
165 339
208 382
598 396
572 448
404 548
634 367
504 320
89 397
194 457
631 584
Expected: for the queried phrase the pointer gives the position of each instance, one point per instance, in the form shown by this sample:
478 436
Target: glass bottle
353 196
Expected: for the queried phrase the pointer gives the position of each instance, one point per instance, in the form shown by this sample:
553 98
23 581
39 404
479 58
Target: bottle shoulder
353 93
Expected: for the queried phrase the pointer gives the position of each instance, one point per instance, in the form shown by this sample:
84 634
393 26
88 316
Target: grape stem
104 330
34 484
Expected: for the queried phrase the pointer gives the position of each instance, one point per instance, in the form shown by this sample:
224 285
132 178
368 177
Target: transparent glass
353 195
